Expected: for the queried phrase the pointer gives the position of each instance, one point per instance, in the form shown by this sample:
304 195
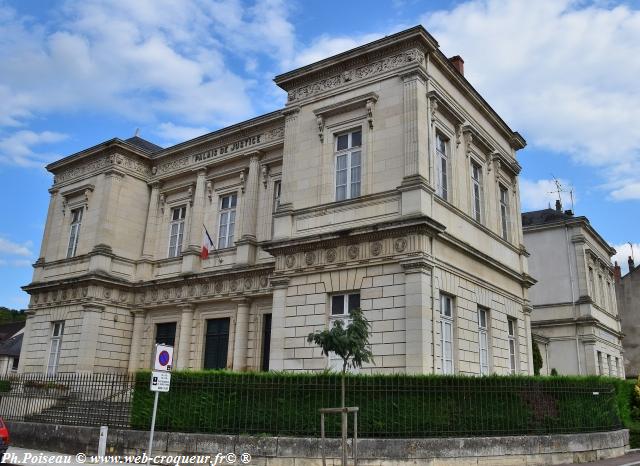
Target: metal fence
68 399
288 405
389 406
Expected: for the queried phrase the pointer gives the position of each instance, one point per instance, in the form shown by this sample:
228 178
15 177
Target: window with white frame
348 165
476 191
513 348
483 340
227 221
505 219
446 333
54 349
176 230
341 305
442 166
74 232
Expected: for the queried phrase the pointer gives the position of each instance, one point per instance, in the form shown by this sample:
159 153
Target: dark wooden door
216 344
266 341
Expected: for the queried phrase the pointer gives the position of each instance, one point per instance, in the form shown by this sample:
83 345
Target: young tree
351 343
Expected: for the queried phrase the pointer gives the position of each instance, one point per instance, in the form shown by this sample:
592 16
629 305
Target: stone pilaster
419 316
89 337
105 232
150 234
184 343
526 310
276 355
282 221
47 227
241 336
27 336
246 247
415 184
191 254
136 340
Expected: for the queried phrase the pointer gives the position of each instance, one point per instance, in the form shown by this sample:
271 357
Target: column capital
291 111
241 300
280 282
138 313
416 265
188 307
92 307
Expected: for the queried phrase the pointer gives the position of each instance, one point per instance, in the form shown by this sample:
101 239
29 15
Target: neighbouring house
575 319
386 182
10 345
628 296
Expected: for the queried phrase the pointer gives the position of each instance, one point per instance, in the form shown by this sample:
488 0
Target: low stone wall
289 451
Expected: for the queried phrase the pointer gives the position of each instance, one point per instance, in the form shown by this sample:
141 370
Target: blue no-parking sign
163 360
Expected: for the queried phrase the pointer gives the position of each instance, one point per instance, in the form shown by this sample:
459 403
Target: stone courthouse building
386 182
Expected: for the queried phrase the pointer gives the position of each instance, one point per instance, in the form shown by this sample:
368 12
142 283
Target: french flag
207 244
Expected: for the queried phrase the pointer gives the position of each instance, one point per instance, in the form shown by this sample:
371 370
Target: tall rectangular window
54 349
513 350
74 232
266 342
166 333
341 304
483 340
227 220
505 220
348 165
476 191
176 230
446 333
277 188
216 343
442 166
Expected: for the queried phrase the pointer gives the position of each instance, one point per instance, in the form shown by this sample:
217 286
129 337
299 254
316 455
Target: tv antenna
559 191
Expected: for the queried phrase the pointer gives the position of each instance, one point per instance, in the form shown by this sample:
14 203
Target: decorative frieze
101 163
349 76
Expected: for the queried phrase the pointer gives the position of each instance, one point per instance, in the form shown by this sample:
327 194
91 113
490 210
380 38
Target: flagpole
215 250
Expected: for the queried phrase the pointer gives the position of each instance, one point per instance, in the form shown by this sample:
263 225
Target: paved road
631 458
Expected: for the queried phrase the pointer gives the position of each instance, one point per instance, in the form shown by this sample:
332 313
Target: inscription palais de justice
248 142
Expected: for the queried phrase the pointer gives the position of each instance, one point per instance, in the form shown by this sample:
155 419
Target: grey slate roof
143 144
10 329
540 217
12 346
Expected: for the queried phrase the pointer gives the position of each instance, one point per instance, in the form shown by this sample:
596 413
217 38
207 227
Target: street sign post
160 382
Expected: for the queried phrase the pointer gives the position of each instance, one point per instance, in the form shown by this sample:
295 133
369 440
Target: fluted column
136 340
282 218
148 248
241 336
184 344
246 246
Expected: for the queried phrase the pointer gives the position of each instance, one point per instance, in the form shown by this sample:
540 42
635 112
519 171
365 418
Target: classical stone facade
575 315
386 182
628 296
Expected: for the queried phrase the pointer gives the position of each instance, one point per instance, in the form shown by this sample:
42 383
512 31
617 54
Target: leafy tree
537 358
11 315
351 343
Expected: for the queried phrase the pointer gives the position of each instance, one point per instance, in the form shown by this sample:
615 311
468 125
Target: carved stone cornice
102 163
398 60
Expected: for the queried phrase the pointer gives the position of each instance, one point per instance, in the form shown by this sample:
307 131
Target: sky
78 72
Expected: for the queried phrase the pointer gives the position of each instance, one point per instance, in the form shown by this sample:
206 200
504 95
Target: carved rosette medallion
107 293
218 287
154 294
264 281
192 290
290 261
178 292
309 258
376 248
165 293
400 244
204 288
35 297
248 283
353 251
233 285
331 255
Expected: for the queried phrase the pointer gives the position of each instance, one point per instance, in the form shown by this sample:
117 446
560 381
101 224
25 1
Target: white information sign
163 360
160 381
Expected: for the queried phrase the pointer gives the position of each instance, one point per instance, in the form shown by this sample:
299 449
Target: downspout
573 296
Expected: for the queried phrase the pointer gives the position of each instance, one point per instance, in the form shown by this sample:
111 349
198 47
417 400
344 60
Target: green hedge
390 406
629 416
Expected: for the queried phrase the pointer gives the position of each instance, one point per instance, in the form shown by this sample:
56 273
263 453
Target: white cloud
146 61
8 247
623 252
18 147
540 194
564 72
172 133
326 46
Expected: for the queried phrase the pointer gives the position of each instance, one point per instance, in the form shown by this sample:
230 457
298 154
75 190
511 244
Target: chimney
458 63
617 273
569 212
631 264
558 205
